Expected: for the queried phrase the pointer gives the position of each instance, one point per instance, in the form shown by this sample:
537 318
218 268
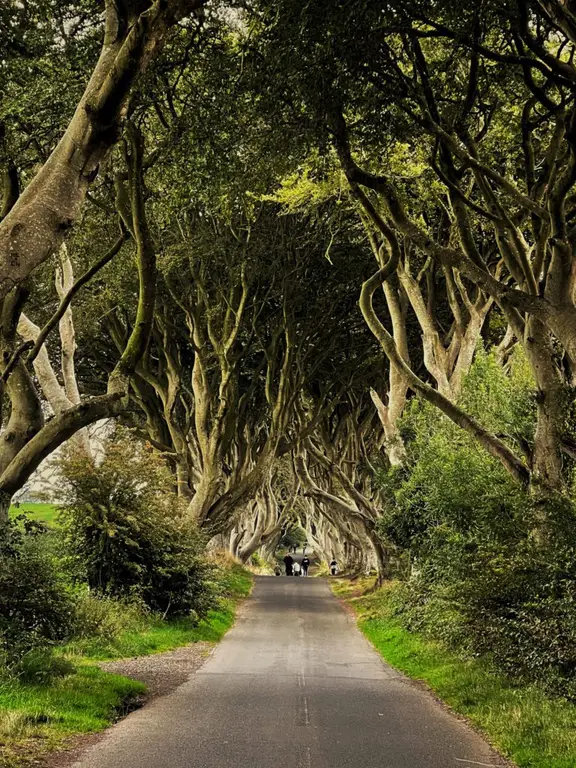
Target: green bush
126 533
481 580
37 606
99 616
516 608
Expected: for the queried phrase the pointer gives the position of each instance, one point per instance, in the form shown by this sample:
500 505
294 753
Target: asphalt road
293 684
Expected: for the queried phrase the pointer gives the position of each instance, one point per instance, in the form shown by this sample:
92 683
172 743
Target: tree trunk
5 502
207 492
380 555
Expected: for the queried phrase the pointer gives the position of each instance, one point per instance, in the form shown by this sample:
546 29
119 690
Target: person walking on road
305 566
289 563
333 567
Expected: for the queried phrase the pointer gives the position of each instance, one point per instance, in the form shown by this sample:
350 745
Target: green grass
36 718
528 726
157 637
44 513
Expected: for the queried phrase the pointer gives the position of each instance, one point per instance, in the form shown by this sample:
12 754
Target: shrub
126 533
516 608
37 607
482 582
102 616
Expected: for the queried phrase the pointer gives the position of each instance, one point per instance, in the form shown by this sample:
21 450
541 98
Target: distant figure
305 566
297 568
278 571
295 548
333 567
288 562
304 548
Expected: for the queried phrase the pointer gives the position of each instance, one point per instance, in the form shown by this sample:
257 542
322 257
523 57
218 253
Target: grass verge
524 723
37 718
158 636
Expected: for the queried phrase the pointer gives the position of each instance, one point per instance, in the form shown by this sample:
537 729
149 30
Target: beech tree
481 100
27 436
239 316
35 222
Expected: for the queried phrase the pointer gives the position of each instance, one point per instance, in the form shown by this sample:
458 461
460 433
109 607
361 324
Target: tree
34 223
482 99
27 437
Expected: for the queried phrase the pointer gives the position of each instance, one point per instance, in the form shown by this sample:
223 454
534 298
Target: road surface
293 684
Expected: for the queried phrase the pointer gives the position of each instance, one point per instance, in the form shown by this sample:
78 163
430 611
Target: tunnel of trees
318 261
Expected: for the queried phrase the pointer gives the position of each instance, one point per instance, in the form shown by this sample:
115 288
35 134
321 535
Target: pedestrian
305 566
297 568
304 547
278 570
333 567
288 562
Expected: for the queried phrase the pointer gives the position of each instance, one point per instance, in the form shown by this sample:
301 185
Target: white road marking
306 713
473 762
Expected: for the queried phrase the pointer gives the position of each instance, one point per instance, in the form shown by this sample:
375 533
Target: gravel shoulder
162 672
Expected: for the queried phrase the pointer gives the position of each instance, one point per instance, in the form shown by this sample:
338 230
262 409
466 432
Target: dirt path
162 672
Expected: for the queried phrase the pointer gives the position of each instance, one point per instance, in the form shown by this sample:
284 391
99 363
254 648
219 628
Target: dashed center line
305 709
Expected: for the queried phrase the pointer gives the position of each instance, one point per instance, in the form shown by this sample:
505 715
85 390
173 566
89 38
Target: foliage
295 536
101 616
37 608
482 581
126 532
450 484
141 633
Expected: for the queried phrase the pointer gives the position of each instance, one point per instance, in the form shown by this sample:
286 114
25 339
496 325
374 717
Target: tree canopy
258 233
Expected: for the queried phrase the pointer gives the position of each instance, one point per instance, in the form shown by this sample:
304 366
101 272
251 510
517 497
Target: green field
533 729
44 513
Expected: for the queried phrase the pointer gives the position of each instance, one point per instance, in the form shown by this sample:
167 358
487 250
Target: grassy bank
528 726
158 636
36 718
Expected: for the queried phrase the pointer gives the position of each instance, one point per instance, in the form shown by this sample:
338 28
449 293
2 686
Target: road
293 684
